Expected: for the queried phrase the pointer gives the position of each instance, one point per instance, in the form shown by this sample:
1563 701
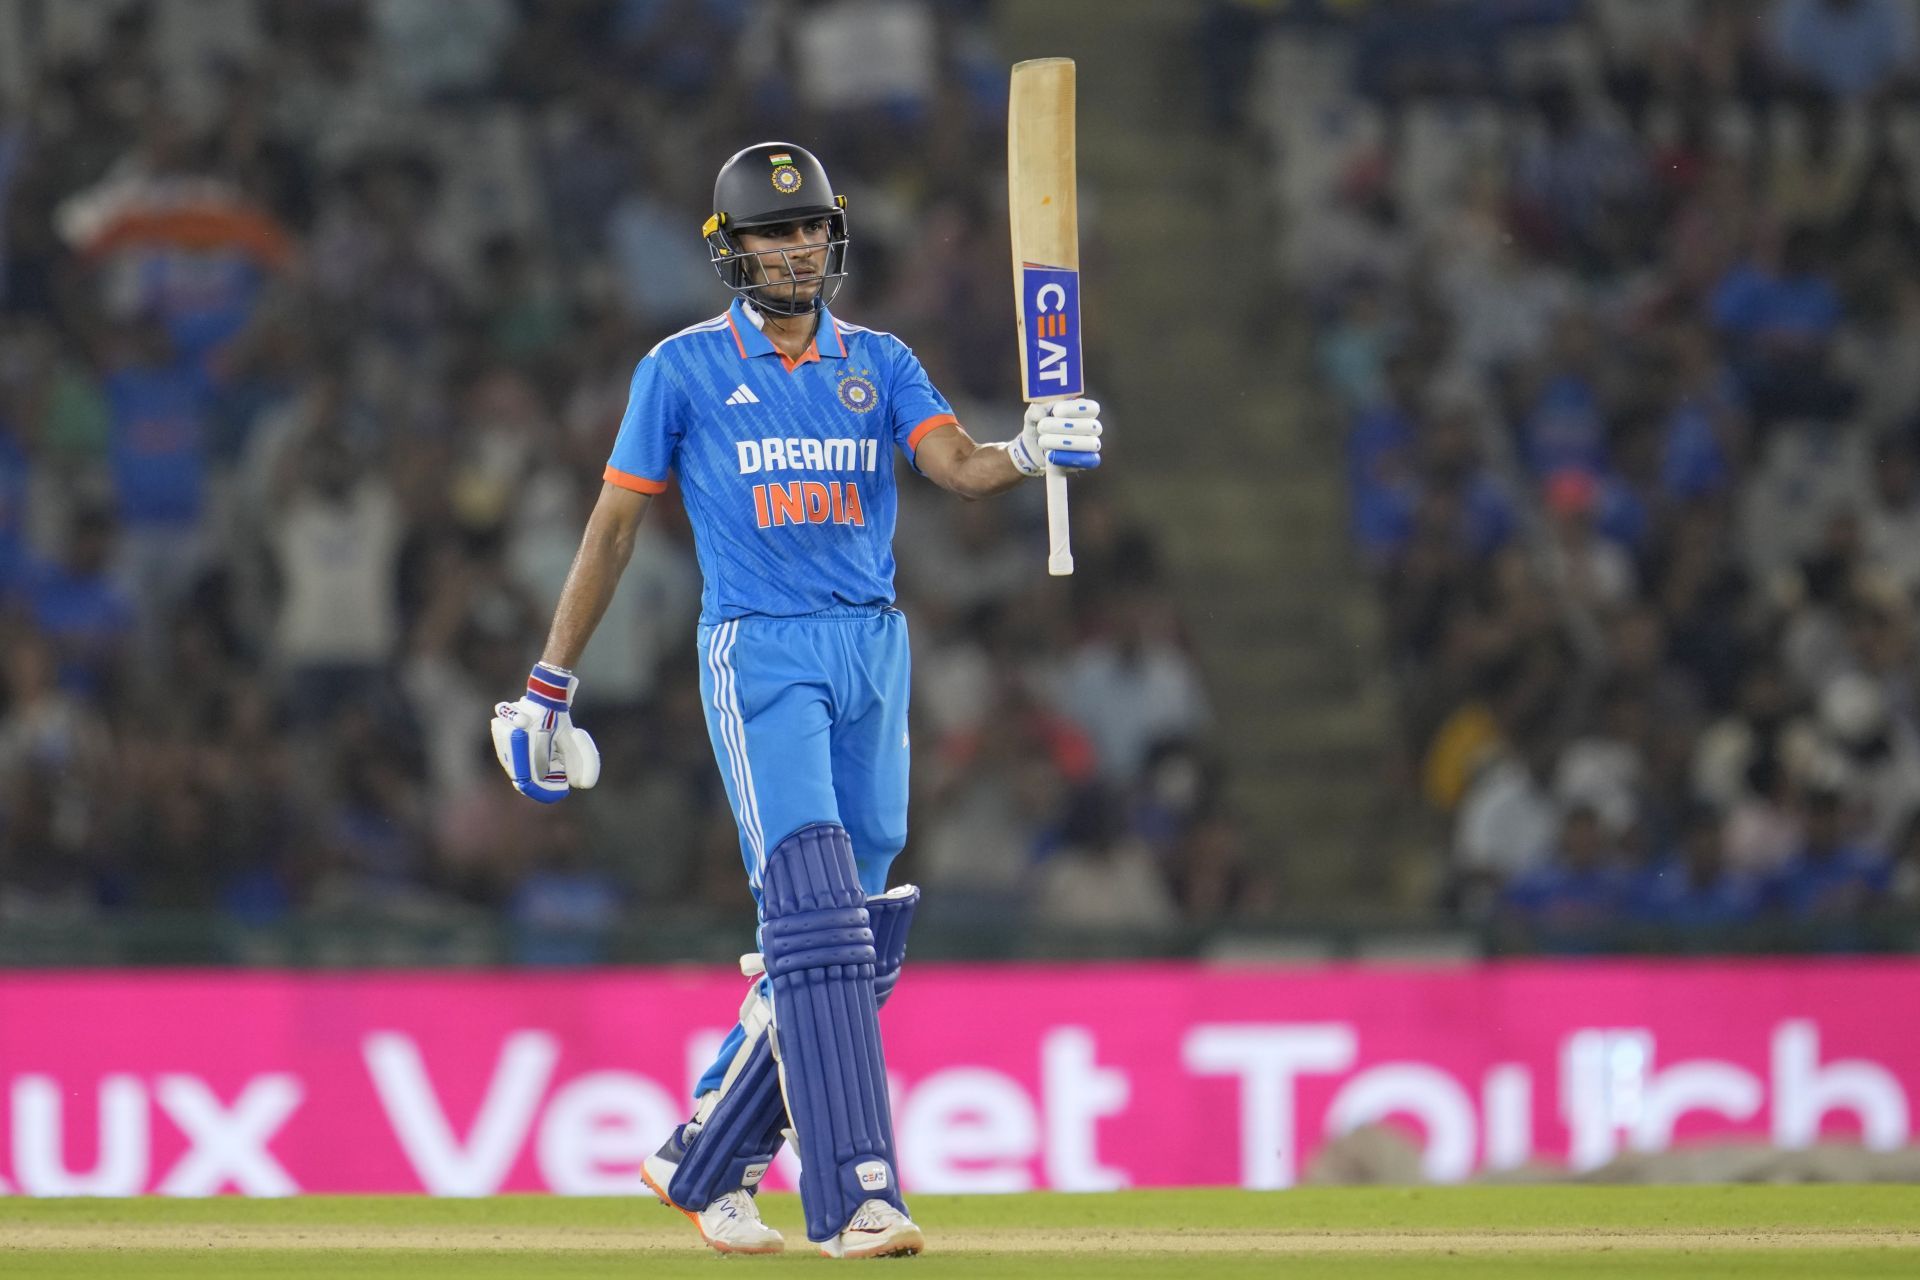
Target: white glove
1063 432
536 742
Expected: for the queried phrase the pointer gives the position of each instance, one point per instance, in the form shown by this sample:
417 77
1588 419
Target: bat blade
1043 212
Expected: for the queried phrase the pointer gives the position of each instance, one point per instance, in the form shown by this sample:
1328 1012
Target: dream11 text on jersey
807 501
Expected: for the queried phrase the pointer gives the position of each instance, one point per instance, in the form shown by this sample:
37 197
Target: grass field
1746 1231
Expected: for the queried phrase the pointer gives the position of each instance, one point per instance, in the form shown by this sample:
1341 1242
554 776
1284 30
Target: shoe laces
738 1205
874 1215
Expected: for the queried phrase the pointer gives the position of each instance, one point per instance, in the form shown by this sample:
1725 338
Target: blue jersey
785 466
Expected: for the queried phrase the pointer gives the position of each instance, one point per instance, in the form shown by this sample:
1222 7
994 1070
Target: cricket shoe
731 1224
877 1230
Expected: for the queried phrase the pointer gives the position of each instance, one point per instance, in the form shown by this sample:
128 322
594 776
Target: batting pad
739 1137
890 916
743 1132
738 1142
818 943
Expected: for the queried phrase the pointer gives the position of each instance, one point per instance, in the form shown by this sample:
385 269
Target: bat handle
1059 535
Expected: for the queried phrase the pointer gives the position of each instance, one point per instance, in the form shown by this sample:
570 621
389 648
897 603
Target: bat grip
1059 535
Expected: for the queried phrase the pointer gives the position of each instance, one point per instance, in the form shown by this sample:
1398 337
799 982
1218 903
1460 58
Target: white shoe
878 1230
731 1224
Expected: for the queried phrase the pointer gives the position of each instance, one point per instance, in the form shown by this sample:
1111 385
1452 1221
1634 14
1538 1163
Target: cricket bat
1043 210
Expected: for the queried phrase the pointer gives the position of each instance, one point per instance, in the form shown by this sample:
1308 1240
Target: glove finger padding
1065 433
527 755
1055 428
1072 443
1082 441
575 754
537 785
505 720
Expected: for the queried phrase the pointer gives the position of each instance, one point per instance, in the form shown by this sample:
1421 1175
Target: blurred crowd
316 322
1618 305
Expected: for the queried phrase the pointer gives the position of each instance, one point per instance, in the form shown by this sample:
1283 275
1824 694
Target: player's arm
1066 432
543 753
957 462
605 548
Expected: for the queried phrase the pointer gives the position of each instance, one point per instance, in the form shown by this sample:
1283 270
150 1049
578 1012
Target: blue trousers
808 718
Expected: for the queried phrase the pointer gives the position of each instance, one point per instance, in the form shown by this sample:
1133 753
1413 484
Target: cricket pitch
1751 1231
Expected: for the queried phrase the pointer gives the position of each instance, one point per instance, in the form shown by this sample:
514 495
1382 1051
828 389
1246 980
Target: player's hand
542 752
1065 433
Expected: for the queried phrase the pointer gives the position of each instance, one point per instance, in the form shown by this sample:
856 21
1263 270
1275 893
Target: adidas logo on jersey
743 394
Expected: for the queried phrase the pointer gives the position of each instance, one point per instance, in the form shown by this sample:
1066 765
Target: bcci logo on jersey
858 393
1050 308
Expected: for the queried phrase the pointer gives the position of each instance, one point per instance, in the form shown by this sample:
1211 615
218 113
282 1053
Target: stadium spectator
1505 826
1829 876
1133 686
55 751
162 406
1572 900
76 603
564 910
1213 879
1102 878
1692 889
335 537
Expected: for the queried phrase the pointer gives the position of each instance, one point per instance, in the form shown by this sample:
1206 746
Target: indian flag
780 157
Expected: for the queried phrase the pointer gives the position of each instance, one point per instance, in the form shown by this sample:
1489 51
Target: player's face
788 258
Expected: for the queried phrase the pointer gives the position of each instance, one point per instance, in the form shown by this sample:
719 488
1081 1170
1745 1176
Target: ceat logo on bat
1050 305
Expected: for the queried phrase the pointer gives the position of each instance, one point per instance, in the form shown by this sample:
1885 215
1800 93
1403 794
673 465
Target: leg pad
819 947
746 1126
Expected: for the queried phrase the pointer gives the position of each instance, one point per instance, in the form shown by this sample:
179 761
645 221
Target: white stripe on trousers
733 736
746 762
732 744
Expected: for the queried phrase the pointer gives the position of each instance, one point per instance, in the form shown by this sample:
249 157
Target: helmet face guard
768 185
778 276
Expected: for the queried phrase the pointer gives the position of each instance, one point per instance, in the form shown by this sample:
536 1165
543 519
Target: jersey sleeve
917 407
650 430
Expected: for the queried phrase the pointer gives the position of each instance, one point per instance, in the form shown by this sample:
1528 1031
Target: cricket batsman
779 420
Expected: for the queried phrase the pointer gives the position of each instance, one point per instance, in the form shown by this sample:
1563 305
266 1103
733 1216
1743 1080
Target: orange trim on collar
736 335
937 421
810 356
637 484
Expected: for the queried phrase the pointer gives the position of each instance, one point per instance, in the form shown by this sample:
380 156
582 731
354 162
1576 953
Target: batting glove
537 743
1064 432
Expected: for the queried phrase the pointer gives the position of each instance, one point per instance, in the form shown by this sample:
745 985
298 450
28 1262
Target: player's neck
790 335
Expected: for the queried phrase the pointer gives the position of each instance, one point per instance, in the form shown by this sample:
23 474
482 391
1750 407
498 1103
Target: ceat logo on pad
872 1175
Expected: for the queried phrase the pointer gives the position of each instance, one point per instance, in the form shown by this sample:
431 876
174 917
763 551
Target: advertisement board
1004 1078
